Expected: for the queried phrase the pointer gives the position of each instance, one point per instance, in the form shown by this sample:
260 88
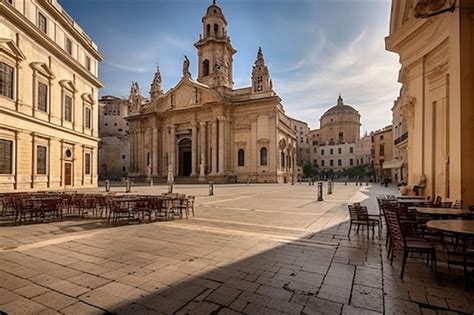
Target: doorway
67 174
185 157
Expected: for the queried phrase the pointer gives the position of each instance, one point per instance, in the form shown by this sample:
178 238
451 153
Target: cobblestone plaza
252 249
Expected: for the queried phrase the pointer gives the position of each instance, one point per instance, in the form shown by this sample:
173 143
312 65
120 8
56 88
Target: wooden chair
359 216
401 240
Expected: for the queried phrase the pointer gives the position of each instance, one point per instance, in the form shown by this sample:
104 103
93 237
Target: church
205 130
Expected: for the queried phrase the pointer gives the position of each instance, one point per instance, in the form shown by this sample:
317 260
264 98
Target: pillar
202 133
172 159
214 147
221 144
154 158
193 148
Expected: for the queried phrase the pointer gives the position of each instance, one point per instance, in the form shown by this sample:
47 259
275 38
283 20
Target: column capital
202 123
221 118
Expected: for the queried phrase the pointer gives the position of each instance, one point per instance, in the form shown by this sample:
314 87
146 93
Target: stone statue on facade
186 66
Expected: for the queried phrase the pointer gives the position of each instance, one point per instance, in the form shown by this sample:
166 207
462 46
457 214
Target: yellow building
435 44
48 98
207 130
381 151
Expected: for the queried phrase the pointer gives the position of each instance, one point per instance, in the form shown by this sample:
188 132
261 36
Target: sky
315 49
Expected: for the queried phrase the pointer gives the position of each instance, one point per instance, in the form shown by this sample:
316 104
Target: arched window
205 68
216 30
263 156
282 159
208 30
241 157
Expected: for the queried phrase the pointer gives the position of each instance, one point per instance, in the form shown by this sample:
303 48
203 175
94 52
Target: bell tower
261 81
215 51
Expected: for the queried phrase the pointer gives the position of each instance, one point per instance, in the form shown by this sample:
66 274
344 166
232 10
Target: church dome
341 107
213 9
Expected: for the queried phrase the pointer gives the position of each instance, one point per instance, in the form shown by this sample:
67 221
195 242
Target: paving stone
367 297
54 300
223 295
353 310
88 281
81 308
335 294
242 284
8 296
396 307
22 306
321 307
256 309
274 293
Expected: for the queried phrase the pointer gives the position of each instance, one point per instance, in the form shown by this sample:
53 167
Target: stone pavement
254 249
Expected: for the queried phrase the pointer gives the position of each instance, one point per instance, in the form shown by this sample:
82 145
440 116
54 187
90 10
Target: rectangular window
41 160
88 63
6 156
351 162
322 162
331 162
382 150
88 118
322 151
68 46
339 150
339 162
42 23
331 151
42 97
67 108
351 150
87 164
6 80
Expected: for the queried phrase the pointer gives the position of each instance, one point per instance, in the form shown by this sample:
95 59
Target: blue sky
314 49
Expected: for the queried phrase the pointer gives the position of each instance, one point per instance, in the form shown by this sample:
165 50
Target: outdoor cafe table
461 228
411 197
412 201
441 211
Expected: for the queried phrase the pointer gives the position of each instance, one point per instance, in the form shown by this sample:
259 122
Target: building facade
435 44
362 151
114 149
303 145
48 98
381 151
207 130
333 144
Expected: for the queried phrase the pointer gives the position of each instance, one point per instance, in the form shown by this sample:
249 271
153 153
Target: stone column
154 163
221 144
202 133
214 147
172 159
164 151
193 148
253 146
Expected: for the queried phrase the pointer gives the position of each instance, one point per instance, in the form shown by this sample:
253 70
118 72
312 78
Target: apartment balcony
403 138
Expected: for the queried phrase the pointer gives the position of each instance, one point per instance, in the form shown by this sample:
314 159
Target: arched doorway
185 157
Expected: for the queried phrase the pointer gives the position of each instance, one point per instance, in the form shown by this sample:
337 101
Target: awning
393 164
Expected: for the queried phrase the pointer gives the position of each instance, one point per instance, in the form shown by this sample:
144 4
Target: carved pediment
87 97
9 48
68 85
43 69
187 94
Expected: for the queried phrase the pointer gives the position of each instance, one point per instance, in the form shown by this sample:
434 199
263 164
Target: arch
208 30
241 157
184 157
263 156
216 30
205 68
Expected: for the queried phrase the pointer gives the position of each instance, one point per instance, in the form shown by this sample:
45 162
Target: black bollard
211 188
329 188
320 191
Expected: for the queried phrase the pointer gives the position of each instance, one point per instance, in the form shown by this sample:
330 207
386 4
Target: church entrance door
185 157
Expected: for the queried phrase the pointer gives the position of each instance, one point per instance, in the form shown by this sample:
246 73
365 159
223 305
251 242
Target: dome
214 9
341 107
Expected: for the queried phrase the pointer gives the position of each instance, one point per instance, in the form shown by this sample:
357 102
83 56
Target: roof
341 107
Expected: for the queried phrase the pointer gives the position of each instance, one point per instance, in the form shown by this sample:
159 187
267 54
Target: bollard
128 186
309 183
329 188
211 188
345 183
320 191
151 182
357 183
107 185
170 188
367 183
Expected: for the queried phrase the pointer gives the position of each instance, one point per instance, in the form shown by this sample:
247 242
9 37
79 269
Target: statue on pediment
424 7
186 66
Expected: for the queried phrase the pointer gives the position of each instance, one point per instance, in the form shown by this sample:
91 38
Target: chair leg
389 249
404 261
349 233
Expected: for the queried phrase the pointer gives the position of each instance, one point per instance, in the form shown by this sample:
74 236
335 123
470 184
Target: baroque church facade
205 129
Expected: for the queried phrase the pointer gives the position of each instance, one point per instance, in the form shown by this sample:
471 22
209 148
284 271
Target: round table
442 211
462 228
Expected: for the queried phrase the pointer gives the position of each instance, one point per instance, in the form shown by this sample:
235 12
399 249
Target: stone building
362 150
333 144
303 146
381 151
435 44
114 150
207 130
48 98
399 164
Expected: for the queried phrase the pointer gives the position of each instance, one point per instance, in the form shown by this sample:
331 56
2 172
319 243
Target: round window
68 153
